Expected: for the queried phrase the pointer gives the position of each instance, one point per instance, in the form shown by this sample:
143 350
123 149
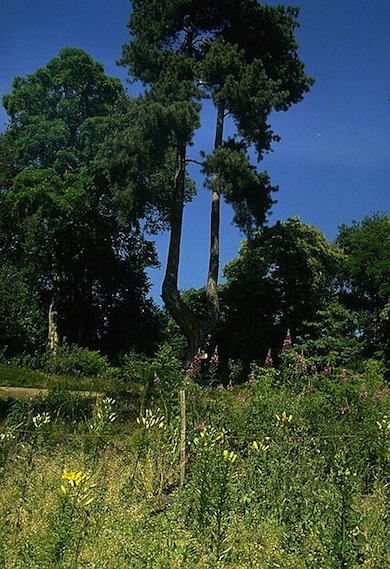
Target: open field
293 475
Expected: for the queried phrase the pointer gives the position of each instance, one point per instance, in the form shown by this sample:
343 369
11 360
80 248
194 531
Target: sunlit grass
264 488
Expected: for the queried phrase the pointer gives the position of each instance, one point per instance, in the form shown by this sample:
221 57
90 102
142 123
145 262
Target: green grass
14 376
313 492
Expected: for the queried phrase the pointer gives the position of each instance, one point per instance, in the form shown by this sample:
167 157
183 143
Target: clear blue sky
333 162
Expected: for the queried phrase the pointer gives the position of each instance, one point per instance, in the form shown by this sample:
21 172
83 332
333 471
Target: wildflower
256 447
81 496
283 419
344 410
240 397
209 437
309 388
150 420
214 361
74 478
287 343
156 380
327 370
220 387
384 424
251 378
229 386
7 436
103 415
268 360
300 364
196 364
41 419
343 375
200 426
380 394
229 456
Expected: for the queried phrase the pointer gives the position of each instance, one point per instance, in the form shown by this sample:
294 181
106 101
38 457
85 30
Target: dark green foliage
365 280
242 56
282 279
22 320
59 223
75 362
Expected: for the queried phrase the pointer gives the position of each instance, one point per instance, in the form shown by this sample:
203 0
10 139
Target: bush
76 362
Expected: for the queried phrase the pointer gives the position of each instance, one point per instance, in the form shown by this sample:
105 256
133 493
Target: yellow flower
259 447
149 420
41 419
74 478
229 456
283 419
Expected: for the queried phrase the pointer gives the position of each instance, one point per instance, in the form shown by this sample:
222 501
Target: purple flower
240 397
156 380
268 360
214 361
195 365
197 361
327 370
300 365
343 375
287 341
381 393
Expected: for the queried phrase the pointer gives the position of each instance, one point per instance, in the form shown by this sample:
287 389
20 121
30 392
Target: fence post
182 436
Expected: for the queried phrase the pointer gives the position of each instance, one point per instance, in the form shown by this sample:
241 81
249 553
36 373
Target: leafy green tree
282 279
365 280
22 319
243 57
65 227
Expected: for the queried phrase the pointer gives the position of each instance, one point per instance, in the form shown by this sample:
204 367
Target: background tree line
88 173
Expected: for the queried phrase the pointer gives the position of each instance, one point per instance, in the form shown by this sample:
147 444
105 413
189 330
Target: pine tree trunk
181 314
212 277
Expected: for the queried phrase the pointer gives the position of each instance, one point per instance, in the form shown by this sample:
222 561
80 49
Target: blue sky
333 162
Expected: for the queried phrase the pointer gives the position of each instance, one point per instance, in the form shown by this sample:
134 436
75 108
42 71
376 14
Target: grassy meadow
290 469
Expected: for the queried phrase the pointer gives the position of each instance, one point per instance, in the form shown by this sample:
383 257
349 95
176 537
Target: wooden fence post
182 436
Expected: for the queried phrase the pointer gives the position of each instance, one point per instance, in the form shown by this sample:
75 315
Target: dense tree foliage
365 280
282 279
59 221
22 321
242 56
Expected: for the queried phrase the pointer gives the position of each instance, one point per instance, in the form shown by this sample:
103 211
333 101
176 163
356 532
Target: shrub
76 362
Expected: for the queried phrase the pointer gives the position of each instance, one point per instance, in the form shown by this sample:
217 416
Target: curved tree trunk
179 311
194 329
212 277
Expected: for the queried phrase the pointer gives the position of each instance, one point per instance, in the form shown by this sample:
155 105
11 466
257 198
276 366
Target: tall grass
279 474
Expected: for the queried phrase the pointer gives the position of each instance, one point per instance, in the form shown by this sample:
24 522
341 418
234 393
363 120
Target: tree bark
212 277
179 311
53 335
193 328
